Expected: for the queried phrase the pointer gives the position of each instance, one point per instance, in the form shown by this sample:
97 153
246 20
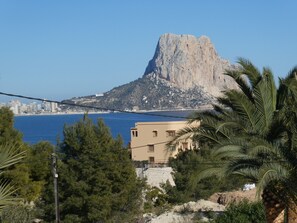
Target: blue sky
61 49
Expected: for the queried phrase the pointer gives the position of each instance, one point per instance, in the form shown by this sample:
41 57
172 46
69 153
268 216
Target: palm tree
9 155
253 133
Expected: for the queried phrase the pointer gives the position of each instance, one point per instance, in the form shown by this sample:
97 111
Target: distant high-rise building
14 105
54 107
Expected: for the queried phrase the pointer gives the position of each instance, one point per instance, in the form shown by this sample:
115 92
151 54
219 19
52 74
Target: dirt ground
226 198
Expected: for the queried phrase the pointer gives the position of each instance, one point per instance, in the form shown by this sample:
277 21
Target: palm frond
269 173
252 73
184 133
230 124
211 172
242 82
242 106
6 191
265 101
264 150
287 92
250 173
10 154
229 151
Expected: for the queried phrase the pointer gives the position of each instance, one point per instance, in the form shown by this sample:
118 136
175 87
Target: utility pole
55 175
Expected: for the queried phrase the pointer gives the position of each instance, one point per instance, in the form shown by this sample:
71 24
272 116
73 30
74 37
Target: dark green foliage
40 160
243 212
97 180
20 213
156 201
186 167
19 174
30 175
7 132
253 131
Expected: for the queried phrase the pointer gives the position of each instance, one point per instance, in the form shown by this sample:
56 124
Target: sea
36 128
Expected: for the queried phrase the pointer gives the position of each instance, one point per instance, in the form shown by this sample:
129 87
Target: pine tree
8 134
97 180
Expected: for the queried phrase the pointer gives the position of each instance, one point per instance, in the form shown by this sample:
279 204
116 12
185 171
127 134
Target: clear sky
60 49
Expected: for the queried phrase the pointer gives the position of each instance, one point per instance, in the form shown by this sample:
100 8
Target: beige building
149 139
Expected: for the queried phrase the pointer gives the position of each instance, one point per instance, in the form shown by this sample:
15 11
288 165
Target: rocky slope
147 93
190 212
185 73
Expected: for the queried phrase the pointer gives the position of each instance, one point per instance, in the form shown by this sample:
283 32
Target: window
151 159
185 145
170 133
134 133
151 148
172 148
155 133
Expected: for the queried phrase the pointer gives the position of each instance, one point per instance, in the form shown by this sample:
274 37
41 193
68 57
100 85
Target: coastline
206 107
59 113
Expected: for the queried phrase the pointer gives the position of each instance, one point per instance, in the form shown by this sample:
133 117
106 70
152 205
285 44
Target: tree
187 187
97 180
7 132
253 133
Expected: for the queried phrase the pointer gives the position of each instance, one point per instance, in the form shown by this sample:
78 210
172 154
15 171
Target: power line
117 110
161 161
157 143
90 107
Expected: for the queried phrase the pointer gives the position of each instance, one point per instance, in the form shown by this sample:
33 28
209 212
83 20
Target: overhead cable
91 107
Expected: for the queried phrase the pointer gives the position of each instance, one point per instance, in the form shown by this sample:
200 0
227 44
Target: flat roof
161 123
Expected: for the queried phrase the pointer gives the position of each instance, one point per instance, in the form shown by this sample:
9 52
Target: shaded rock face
187 62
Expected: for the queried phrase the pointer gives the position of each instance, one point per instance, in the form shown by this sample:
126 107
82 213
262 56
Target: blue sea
37 128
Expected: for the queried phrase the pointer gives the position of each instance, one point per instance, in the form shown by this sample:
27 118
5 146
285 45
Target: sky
62 49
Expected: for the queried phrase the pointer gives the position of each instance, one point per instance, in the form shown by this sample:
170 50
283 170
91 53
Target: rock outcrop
187 62
226 198
185 73
187 213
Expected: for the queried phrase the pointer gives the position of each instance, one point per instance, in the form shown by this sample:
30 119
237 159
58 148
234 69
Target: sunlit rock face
187 62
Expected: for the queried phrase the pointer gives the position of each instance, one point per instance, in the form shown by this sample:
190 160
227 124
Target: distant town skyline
58 50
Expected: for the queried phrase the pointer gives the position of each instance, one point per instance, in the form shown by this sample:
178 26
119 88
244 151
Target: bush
155 201
20 213
187 166
243 212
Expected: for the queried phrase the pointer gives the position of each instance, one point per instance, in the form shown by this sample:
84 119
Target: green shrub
19 213
155 201
243 212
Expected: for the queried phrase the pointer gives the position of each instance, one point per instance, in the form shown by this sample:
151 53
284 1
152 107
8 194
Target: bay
36 128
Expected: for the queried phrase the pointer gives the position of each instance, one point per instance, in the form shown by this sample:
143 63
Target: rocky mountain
187 62
185 73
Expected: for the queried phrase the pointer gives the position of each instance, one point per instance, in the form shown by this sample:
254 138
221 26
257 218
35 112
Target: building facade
149 141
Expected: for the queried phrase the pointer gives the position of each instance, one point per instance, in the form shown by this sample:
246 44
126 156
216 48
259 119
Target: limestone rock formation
187 213
185 73
188 61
